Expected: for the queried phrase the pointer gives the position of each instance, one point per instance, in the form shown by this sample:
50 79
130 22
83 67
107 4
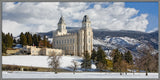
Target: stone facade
74 43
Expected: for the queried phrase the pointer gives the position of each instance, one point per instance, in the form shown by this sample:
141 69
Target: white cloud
44 16
13 27
153 30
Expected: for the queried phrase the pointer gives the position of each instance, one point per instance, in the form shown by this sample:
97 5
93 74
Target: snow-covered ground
27 74
41 61
65 62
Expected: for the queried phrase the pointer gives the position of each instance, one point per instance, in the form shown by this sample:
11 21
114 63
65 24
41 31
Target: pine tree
9 41
44 41
30 40
39 39
117 57
3 48
86 64
14 41
26 35
93 55
35 40
3 43
11 38
101 62
23 39
128 57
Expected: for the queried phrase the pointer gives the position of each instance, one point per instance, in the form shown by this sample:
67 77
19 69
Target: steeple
61 27
86 23
85 18
61 20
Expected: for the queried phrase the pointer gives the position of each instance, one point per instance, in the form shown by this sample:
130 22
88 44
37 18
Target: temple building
74 43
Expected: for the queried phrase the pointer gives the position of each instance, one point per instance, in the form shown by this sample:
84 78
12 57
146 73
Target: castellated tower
85 36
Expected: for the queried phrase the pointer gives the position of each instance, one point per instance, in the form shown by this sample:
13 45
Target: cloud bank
44 16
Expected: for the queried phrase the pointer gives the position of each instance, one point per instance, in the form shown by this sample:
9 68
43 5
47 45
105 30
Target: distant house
33 50
12 51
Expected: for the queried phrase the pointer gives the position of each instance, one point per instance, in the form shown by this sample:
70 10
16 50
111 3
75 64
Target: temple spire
85 18
61 20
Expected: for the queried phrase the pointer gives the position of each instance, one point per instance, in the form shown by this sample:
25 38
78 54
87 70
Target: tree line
25 39
7 41
121 62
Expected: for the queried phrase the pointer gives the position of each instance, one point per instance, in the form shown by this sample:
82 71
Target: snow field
65 62
41 61
28 74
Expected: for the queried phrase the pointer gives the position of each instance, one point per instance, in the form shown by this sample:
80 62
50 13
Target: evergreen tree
101 62
39 39
9 40
23 39
26 35
44 41
128 57
86 64
35 40
14 41
117 57
30 40
3 48
3 43
94 54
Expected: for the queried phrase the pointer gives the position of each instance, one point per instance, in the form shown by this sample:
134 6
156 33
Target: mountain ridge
123 40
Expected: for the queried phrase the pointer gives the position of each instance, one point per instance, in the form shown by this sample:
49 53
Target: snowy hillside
121 40
41 61
123 44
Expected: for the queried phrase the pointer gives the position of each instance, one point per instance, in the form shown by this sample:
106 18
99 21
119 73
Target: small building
12 51
33 50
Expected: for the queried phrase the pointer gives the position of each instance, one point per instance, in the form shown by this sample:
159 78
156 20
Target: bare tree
74 66
54 60
146 60
121 66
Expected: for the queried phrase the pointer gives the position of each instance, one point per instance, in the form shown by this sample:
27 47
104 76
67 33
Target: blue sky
150 8
44 16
